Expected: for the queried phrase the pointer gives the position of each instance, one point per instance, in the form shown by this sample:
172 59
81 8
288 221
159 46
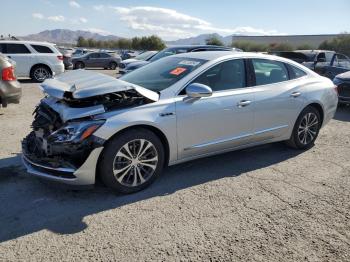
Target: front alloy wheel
132 160
135 162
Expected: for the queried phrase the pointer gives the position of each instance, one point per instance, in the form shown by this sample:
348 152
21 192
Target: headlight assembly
75 132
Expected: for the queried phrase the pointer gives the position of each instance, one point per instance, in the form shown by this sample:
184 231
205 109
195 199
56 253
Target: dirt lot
269 203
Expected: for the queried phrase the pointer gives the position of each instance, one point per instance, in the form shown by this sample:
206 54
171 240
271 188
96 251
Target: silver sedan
174 110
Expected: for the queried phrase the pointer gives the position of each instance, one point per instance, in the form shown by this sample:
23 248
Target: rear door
278 98
93 60
23 57
105 59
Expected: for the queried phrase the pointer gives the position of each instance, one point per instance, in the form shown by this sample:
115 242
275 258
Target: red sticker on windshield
178 71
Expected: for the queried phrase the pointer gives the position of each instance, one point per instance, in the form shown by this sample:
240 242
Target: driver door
221 121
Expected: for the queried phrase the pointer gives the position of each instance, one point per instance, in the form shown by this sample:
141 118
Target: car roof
192 47
314 51
213 55
25 42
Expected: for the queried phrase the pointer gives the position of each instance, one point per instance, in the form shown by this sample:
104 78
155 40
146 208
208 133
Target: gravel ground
268 203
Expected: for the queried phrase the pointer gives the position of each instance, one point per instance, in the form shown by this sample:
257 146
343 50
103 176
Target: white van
37 60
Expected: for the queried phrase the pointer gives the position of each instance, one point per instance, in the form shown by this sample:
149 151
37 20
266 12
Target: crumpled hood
83 84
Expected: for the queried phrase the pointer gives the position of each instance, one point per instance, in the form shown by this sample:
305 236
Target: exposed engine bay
60 136
110 101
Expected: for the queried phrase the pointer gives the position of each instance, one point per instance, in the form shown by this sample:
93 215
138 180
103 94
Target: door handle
243 103
295 94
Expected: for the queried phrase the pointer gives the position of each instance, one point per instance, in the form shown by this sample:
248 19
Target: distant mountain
66 36
200 40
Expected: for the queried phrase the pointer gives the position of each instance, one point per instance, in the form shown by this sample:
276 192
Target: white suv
37 60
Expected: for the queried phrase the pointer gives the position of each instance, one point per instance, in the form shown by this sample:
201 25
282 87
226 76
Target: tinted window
42 49
224 76
163 73
17 49
2 48
269 71
104 55
296 72
94 55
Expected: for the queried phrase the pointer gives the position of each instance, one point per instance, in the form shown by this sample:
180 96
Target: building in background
294 40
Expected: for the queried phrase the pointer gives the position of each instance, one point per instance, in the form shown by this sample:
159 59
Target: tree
280 47
340 44
82 42
248 46
155 43
144 43
136 43
304 47
213 40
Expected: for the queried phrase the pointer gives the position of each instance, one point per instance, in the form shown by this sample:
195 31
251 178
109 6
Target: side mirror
196 90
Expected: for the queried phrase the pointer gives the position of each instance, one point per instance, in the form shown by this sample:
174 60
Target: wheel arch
40 64
319 108
158 132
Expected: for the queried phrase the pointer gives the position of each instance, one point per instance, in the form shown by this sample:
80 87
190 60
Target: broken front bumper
59 170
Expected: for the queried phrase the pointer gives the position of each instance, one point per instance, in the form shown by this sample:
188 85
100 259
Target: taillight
8 74
336 89
60 57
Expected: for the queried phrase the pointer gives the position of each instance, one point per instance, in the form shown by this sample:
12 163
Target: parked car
37 60
172 51
325 63
342 81
67 58
145 56
79 52
10 89
127 54
171 111
97 59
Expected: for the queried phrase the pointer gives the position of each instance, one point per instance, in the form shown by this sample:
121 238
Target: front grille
344 90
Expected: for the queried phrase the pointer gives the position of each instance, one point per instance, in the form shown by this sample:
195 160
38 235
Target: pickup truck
323 62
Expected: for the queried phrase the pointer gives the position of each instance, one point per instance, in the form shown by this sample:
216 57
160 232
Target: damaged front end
62 145
58 149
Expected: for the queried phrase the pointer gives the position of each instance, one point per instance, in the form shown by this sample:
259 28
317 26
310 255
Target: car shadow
28 206
343 113
27 81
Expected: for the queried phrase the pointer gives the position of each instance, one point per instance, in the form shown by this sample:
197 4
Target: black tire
113 65
297 138
40 73
108 161
79 65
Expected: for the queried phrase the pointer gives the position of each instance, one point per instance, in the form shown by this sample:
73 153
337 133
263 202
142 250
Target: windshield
145 55
168 52
161 74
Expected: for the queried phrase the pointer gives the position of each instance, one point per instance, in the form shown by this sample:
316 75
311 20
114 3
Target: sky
174 19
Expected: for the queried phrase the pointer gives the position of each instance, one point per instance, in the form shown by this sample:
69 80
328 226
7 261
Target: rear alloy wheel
132 161
40 73
113 65
306 129
79 65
